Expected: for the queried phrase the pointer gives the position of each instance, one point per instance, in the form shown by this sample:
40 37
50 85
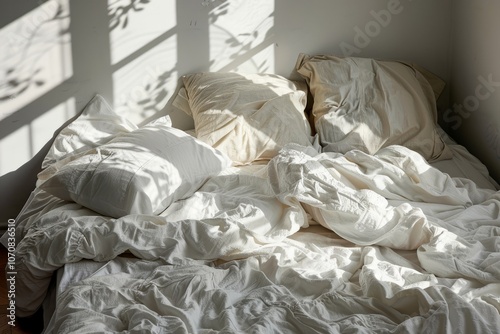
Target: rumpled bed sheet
400 247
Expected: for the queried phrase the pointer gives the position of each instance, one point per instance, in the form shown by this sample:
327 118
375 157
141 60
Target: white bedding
419 253
464 165
307 243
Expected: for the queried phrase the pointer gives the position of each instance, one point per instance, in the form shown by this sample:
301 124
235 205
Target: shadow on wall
57 54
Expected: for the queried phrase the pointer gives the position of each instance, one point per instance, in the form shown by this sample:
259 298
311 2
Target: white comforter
403 248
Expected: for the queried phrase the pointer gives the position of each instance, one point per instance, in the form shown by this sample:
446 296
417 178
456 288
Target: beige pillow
250 117
368 104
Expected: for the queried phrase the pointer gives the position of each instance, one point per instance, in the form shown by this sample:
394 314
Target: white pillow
96 125
368 104
140 172
250 117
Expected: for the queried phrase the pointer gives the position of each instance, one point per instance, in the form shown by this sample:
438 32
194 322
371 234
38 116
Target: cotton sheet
401 248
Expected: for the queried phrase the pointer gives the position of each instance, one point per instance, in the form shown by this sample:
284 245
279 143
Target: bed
329 204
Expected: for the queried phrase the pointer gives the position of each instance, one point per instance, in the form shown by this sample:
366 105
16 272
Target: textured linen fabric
403 248
368 104
140 172
96 125
250 117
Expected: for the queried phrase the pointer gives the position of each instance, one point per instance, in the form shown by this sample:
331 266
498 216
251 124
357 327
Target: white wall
57 54
474 114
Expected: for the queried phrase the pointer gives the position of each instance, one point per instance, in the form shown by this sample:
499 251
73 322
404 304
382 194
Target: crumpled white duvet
403 248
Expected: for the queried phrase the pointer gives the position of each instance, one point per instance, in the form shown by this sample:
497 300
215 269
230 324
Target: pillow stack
141 171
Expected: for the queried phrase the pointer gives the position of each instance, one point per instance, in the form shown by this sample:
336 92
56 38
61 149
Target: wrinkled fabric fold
401 248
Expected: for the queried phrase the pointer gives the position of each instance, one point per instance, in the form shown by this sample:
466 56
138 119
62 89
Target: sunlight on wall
133 24
262 61
144 56
23 144
142 87
35 53
43 127
15 149
238 30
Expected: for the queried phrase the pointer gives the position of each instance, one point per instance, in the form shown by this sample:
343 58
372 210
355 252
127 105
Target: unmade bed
331 204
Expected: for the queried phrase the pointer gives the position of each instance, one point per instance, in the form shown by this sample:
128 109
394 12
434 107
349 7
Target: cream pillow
250 117
140 172
367 104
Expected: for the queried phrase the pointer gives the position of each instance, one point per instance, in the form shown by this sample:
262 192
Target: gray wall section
473 117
